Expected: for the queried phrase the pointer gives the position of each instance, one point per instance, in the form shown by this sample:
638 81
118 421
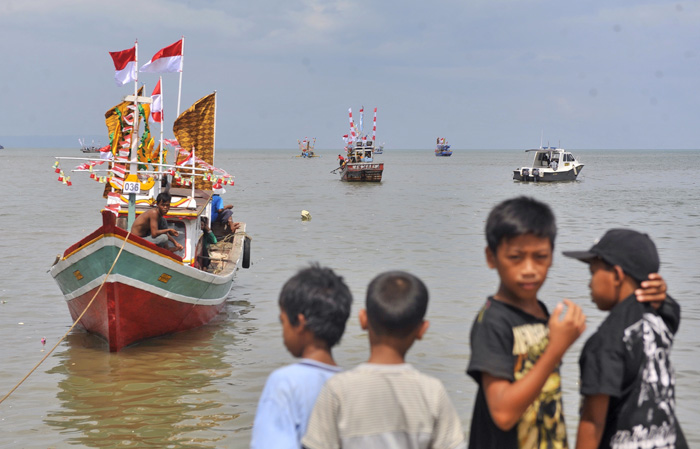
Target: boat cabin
184 216
361 152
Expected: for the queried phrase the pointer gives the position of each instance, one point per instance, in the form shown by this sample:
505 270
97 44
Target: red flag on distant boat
156 105
168 59
125 65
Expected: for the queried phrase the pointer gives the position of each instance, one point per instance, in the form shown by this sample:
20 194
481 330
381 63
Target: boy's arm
507 401
592 423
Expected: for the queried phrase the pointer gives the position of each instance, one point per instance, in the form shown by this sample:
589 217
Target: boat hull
362 172
443 153
149 291
546 175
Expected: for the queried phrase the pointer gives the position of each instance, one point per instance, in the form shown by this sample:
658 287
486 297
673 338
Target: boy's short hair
519 216
396 303
322 297
163 196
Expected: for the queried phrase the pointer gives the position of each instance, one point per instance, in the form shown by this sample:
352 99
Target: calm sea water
199 389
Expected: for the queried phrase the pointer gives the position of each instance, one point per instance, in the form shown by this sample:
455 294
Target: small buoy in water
305 215
43 341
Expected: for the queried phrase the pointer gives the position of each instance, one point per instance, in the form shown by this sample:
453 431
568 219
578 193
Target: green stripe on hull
91 263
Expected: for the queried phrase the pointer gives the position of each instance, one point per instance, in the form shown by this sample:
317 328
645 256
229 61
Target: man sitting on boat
222 214
152 226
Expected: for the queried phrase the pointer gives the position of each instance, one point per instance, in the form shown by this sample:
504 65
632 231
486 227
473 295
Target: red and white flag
114 203
156 105
125 65
168 59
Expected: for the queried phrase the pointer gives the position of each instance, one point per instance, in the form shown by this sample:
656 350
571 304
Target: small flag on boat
114 203
166 60
125 65
156 105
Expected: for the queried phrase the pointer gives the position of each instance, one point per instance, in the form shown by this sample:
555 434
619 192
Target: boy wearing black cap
627 380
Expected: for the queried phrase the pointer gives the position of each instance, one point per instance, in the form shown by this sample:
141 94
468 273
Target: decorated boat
306 148
92 148
123 287
359 164
550 164
442 148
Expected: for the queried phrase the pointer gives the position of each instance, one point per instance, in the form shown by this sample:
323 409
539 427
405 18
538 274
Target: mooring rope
74 323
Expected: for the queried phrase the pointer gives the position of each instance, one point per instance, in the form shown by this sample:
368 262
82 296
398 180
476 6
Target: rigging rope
74 323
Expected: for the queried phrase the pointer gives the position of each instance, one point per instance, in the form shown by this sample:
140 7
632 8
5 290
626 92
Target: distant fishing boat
359 164
442 148
379 149
88 148
306 147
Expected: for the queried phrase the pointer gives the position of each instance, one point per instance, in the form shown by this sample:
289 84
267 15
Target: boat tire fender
246 252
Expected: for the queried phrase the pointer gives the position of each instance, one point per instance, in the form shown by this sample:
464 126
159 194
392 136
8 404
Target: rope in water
74 323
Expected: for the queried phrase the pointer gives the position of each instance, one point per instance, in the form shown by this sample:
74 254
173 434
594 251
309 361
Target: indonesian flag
114 203
125 65
156 105
168 59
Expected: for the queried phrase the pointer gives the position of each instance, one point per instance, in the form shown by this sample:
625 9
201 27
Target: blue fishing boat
442 148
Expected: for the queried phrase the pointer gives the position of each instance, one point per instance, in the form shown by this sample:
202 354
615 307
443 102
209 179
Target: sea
199 389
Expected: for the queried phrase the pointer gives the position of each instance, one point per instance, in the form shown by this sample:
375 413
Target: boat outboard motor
525 172
536 173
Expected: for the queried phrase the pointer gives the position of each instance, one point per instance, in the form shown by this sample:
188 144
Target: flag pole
162 119
133 167
179 90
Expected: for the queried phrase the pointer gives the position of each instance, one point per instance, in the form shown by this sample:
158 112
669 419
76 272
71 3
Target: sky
485 74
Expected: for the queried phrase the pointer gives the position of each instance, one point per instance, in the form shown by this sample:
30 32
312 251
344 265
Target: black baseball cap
633 251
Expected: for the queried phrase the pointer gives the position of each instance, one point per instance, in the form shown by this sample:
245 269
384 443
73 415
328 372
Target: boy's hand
564 331
653 290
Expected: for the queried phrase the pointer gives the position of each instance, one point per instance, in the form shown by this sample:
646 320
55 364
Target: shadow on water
164 392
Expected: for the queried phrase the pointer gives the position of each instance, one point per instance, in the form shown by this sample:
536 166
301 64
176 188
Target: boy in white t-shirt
386 403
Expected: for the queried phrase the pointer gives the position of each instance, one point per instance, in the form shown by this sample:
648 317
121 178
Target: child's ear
490 257
301 324
422 329
619 274
363 319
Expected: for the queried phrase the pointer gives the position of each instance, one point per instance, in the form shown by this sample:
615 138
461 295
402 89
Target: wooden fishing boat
359 164
442 148
306 148
124 288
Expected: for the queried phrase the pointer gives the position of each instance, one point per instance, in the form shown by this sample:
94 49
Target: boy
386 403
627 381
516 346
314 307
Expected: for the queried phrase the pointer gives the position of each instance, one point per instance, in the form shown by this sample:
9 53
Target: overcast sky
486 74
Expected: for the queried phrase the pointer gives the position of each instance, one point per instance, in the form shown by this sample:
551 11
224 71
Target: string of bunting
217 176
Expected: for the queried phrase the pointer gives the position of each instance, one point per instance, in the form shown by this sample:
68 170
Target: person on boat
554 164
222 214
368 157
208 239
341 160
152 226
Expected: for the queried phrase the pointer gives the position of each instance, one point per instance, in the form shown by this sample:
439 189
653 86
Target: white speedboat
550 164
